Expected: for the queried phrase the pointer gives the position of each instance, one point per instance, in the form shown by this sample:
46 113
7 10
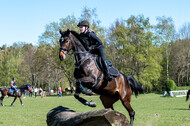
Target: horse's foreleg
21 101
85 80
82 100
13 101
2 100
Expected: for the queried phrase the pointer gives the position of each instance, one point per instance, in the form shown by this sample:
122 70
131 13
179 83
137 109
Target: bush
183 88
170 85
188 83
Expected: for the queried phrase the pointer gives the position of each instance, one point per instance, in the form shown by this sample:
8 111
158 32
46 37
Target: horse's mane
76 34
21 87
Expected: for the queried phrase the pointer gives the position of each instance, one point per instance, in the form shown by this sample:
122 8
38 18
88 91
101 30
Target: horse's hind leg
2 97
126 102
13 101
21 101
108 101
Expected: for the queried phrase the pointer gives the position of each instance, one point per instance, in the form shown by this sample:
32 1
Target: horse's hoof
92 104
11 105
22 105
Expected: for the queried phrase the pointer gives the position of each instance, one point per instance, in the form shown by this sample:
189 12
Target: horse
187 97
9 92
88 75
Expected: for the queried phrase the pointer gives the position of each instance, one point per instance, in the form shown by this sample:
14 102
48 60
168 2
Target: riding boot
106 71
14 93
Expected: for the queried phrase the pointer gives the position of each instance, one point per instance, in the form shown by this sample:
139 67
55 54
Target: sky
25 20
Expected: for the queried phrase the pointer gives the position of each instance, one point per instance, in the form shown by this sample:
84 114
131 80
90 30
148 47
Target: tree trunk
62 116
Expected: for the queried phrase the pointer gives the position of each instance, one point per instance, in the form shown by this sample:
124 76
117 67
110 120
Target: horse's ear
68 31
60 31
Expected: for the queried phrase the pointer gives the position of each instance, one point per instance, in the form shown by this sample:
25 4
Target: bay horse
89 76
187 97
18 94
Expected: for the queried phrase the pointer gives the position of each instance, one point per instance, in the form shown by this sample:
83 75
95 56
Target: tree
165 32
135 52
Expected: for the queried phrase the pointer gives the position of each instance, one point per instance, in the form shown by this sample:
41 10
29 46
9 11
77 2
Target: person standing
60 92
35 92
30 92
25 92
40 92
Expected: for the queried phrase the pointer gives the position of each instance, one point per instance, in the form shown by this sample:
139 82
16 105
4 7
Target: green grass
151 110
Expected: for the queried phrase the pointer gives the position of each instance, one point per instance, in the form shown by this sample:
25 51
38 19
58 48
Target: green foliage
182 88
135 47
136 53
170 85
188 83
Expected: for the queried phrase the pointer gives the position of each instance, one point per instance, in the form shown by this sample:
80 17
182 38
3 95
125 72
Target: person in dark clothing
93 44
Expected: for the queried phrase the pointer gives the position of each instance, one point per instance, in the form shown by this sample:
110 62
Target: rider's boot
106 71
14 93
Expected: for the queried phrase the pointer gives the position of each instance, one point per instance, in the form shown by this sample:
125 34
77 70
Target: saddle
112 71
12 90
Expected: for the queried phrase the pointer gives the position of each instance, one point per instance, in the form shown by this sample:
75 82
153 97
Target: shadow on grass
60 109
182 109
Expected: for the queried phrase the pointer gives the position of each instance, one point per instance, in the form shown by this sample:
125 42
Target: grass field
151 110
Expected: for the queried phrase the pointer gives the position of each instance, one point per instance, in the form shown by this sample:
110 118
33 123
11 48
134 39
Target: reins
78 62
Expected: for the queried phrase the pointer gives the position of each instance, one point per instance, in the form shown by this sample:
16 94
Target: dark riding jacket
13 84
90 39
93 44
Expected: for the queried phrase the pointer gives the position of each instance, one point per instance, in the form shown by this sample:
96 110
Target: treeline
151 53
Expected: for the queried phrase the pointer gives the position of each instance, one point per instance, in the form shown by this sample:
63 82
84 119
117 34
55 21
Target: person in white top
35 92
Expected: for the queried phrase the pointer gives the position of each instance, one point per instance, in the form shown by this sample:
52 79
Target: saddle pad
113 72
12 90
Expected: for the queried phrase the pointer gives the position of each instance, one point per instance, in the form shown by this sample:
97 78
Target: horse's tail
188 93
135 86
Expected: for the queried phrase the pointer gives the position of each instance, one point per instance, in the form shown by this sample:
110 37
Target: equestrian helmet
83 23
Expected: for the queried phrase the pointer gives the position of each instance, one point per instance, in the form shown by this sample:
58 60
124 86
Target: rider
93 44
13 86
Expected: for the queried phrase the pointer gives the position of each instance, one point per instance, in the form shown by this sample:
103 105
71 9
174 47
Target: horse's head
28 87
65 44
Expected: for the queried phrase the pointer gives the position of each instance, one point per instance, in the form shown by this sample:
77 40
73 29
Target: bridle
66 49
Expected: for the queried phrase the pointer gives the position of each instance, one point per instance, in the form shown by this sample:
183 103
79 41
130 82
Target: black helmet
13 78
83 23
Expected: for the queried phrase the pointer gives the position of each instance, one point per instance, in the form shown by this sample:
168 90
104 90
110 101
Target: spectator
30 92
60 92
167 91
35 92
40 92
25 92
